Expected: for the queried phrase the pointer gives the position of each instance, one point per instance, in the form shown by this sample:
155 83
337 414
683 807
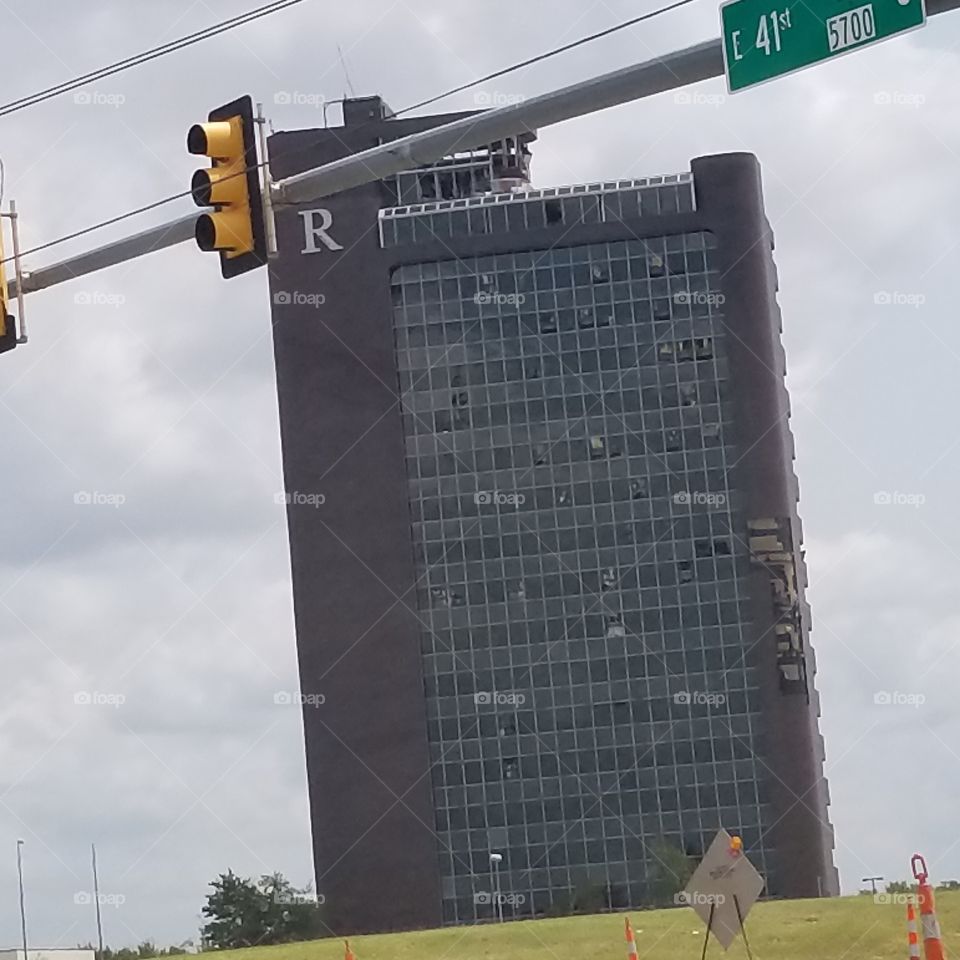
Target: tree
672 869
234 911
143 951
589 896
899 886
244 913
292 914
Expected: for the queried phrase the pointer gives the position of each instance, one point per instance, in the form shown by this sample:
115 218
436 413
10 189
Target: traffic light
235 227
8 326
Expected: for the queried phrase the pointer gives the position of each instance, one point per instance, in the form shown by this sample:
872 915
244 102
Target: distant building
552 606
53 954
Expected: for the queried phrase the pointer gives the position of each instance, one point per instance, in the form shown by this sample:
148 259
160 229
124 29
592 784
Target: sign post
765 39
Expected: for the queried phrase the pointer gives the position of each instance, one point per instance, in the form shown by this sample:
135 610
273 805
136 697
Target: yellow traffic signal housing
8 326
235 227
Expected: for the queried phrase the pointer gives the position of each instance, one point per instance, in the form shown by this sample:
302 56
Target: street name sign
763 40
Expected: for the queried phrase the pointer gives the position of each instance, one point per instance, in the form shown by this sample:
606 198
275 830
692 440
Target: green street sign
763 40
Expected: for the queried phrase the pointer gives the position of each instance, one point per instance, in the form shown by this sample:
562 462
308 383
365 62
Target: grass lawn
853 928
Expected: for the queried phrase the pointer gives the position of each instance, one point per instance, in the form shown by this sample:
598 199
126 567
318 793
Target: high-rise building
550 611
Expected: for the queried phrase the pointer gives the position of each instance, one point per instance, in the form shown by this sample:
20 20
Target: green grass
852 928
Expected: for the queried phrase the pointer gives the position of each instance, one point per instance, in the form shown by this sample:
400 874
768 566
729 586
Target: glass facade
579 553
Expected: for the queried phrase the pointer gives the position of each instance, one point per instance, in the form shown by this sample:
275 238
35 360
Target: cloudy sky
167 604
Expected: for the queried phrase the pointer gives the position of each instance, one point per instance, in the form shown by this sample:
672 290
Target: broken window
541 453
448 187
787 639
585 318
598 448
685 350
511 768
517 591
793 673
615 626
532 371
688 394
711 431
721 547
704 348
443 421
685 572
655 265
553 210
674 441
599 273
548 323
428 187
665 351
563 497
445 597
464 180
608 580
508 726
460 399
639 489
703 549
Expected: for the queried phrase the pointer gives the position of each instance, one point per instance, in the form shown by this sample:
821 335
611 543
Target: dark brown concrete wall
358 636
729 197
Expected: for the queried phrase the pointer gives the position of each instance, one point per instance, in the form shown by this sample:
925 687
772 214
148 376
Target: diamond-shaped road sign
724 881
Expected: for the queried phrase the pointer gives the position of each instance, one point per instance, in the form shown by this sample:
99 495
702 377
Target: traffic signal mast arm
691 65
119 251
699 62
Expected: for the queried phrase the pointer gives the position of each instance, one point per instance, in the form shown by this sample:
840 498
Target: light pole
873 883
495 860
96 899
23 910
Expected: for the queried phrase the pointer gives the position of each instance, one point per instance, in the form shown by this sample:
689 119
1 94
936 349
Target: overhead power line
423 103
147 55
109 223
547 55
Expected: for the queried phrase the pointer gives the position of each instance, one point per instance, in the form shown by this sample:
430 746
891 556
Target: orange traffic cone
631 942
347 952
932 944
912 939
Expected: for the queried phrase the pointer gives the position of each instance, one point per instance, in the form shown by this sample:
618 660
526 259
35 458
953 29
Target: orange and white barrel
929 927
913 940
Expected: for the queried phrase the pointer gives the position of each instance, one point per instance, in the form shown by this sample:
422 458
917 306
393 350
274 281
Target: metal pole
119 251
23 909
96 899
15 235
695 63
872 881
495 860
268 220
